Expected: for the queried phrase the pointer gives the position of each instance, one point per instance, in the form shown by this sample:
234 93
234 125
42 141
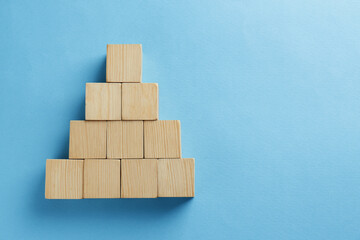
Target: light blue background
268 94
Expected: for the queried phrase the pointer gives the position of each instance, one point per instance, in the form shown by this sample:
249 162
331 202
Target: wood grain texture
140 101
103 101
64 179
124 63
176 177
162 139
125 139
102 178
138 178
87 139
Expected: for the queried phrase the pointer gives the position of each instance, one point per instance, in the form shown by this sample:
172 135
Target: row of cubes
121 101
115 178
125 139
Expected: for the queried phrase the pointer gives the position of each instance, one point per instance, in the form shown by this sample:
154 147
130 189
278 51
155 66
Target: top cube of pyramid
124 63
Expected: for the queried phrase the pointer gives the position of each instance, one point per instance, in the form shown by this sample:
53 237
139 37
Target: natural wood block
140 101
102 178
64 179
125 139
176 177
103 101
87 139
162 139
124 63
138 178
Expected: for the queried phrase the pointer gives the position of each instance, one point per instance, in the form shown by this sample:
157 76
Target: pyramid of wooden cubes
122 150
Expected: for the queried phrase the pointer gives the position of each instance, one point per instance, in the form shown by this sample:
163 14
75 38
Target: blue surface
268 94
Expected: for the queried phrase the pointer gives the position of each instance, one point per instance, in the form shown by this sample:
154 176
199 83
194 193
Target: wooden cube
140 101
162 139
138 178
103 101
125 139
123 63
87 139
176 177
102 178
64 179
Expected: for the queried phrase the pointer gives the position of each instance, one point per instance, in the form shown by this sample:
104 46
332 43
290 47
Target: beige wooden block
87 139
125 139
140 101
103 101
124 63
64 179
162 139
102 178
138 178
176 177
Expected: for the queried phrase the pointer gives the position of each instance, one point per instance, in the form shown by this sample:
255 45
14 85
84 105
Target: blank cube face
162 139
102 178
176 177
124 63
140 101
87 139
138 178
64 179
103 101
125 139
